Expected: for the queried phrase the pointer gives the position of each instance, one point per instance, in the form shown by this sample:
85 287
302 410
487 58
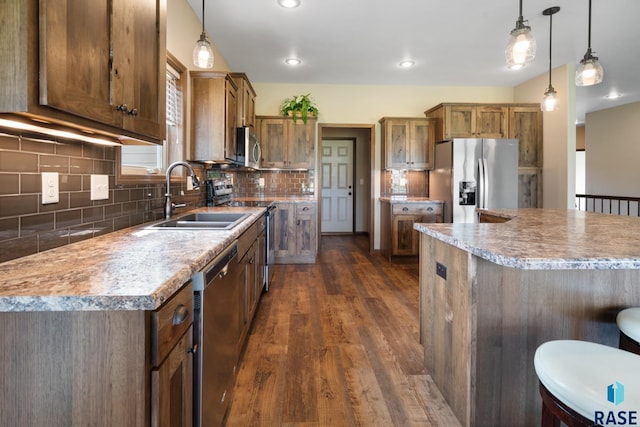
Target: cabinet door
491 121
172 386
305 229
285 241
525 124
75 66
249 263
301 144
529 187
459 121
273 145
396 133
422 144
139 61
404 239
231 121
208 117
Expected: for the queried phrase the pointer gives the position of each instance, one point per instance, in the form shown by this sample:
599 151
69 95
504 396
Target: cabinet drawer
305 209
169 323
249 236
416 209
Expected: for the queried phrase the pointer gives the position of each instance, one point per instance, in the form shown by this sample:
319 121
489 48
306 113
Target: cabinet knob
405 209
122 107
133 112
306 208
429 209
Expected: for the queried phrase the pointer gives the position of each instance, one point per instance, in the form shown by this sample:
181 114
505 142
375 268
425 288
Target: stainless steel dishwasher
217 326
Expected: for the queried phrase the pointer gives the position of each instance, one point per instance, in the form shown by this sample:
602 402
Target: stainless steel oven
248 151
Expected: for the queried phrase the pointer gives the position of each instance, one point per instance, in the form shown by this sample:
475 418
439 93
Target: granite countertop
407 199
548 239
284 199
132 269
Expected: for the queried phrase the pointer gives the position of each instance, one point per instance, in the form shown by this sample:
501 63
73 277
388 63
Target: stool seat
579 373
628 321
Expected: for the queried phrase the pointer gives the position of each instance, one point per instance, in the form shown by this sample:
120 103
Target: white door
337 186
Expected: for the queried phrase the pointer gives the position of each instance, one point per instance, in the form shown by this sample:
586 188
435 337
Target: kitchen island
491 293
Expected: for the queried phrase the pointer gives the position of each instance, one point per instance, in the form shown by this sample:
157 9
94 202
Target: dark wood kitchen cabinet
98 65
214 103
111 368
287 144
246 115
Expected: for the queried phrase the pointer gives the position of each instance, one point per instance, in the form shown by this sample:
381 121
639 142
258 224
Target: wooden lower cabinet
398 236
80 368
494 219
296 233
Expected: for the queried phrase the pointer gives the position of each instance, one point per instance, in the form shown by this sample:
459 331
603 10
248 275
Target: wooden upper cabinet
287 144
214 102
525 124
246 115
470 121
408 143
98 64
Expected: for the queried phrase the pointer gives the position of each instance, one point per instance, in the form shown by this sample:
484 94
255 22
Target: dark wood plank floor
336 344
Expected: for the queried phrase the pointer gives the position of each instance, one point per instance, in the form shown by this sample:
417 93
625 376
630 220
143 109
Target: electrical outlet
99 187
189 183
50 188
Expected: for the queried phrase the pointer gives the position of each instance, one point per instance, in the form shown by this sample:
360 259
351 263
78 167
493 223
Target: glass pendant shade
589 71
521 49
202 53
550 100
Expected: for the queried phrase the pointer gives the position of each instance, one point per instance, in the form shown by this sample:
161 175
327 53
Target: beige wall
580 137
558 174
613 151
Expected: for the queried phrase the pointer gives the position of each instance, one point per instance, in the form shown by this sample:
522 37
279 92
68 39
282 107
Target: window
148 162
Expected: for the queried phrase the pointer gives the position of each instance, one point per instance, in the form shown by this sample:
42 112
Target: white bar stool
581 383
628 321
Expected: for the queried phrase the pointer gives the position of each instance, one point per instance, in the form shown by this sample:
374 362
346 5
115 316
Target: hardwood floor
336 344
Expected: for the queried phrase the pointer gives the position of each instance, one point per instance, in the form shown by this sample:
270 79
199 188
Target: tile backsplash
274 183
27 226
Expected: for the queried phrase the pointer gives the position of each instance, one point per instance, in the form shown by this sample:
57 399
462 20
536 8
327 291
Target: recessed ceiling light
289 4
407 63
292 61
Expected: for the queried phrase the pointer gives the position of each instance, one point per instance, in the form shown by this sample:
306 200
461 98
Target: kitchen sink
204 220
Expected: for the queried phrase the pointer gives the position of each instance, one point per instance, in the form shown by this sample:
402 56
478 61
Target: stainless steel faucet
168 205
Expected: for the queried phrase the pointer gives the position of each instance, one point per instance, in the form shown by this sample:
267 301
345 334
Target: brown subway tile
52 239
79 199
92 214
30 183
18 205
9 183
80 166
104 167
81 232
103 227
70 183
8 228
31 224
110 153
9 142
136 219
93 151
54 164
37 146
129 208
16 248
120 223
68 218
18 162
121 195
68 148
113 211
63 203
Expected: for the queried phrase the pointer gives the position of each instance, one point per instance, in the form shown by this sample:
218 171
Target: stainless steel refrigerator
474 173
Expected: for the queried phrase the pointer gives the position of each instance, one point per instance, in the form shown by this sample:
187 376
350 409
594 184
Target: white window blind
174 98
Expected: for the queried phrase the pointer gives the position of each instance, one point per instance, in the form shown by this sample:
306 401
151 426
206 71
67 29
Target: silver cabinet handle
180 315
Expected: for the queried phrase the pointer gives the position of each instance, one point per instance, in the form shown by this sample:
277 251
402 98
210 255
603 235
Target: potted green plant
302 104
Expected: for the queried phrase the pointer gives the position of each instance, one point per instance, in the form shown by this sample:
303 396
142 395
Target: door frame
318 174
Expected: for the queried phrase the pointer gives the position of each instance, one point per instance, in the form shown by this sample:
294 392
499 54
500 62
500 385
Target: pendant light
550 100
589 71
202 52
522 46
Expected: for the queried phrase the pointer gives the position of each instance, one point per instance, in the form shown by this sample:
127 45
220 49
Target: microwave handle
256 152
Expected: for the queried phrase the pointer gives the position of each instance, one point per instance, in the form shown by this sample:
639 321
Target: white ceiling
453 42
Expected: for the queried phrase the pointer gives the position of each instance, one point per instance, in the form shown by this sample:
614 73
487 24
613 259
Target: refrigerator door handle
481 187
485 192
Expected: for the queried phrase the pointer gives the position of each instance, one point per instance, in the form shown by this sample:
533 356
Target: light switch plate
99 187
50 188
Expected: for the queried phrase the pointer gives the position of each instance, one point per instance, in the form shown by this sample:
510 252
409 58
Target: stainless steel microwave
248 151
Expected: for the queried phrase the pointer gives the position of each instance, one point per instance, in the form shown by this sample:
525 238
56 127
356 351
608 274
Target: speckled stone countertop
132 269
548 239
407 199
